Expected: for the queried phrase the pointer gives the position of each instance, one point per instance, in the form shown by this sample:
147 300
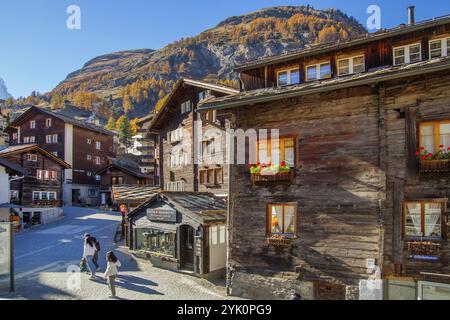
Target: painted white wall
217 247
4 186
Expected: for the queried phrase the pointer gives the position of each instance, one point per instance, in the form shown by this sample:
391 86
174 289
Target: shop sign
424 257
162 215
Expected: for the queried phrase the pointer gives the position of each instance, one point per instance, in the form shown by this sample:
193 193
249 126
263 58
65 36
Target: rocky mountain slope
133 81
3 90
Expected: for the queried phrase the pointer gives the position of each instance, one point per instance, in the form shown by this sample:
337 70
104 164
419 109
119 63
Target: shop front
182 232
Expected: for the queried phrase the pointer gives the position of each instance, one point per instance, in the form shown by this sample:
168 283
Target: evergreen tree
123 125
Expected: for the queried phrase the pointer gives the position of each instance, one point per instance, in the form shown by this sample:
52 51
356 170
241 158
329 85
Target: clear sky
37 51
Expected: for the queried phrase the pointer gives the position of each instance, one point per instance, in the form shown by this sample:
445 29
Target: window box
279 177
434 166
423 248
279 241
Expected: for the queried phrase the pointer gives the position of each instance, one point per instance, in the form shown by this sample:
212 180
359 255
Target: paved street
44 257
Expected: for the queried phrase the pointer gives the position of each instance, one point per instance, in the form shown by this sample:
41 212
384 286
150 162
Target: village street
45 254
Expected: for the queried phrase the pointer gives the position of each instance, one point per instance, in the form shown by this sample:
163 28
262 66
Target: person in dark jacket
97 250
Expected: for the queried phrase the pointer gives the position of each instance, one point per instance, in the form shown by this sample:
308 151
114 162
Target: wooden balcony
428 166
285 177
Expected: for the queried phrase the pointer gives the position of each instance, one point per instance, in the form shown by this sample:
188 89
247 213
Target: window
89 174
203 95
54 175
36 195
407 54
282 219
209 116
439 48
434 134
55 138
288 77
218 175
46 175
14 136
98 145
186 107
48 139
39 174
157 241
177 186
32 157
89 157
44 195
424 218
98 177
208 147
179 160
351 65
48 122
89 141
14 194
97 161
176 135
318 71
33 124
29 139
117 181
277 151
211 176
92 193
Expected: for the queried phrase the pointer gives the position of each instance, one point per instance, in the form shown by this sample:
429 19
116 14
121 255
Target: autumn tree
111 125
57 102
134 126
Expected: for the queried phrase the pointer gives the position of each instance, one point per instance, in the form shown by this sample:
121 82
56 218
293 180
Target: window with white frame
179 160
186 107
288 77
89 157
48 122
318 71
351 65
408 54
32 157
97 161
33 124
48 139
89 174
55 138
176 135
439 48
44 195
88 141
177 186
53 175
14 194
98 145
29 139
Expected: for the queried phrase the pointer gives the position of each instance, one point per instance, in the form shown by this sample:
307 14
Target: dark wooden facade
30 183
355 166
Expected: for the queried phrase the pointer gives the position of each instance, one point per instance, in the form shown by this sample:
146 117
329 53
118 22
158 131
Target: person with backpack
112 271
88 254
97 249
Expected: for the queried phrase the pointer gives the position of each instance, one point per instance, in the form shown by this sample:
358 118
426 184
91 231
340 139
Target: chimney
411 19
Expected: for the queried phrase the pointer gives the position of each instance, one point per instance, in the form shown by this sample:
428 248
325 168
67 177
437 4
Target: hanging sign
162 215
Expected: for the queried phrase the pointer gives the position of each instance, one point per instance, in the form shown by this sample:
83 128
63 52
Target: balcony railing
434 166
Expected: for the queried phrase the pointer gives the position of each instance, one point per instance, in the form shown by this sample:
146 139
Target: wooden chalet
83 145
185 156
360 208
181 231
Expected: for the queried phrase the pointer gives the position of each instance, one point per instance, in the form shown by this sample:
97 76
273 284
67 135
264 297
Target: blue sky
37 51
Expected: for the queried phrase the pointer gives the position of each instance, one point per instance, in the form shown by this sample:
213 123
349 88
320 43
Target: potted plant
437 162
270 172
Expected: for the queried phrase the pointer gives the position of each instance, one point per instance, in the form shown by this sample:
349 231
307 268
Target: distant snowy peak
3 90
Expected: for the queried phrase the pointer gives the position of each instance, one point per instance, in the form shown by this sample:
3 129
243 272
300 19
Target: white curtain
427 135
414 211
433 213
445 135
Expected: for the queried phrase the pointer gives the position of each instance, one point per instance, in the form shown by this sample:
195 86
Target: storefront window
156 241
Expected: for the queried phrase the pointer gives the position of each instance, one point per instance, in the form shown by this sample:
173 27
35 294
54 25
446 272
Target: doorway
187 237
76 196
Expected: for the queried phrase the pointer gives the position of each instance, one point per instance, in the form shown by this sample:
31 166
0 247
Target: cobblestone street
45 256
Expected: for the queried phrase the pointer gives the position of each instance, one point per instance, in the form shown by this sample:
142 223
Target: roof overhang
369 80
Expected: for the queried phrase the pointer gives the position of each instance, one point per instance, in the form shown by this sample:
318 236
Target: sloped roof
134 171
339 45
12 166
200 84
378 75
19 149
206 206
66 118
124 194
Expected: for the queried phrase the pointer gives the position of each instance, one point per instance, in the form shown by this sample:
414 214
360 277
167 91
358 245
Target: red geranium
430 155
422 148
441 146
283 164
417 153
424 157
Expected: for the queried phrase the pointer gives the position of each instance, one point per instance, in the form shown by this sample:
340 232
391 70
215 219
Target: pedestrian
112 271
97 250
88 254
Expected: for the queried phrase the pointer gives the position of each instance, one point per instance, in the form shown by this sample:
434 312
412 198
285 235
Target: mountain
133 81
3 90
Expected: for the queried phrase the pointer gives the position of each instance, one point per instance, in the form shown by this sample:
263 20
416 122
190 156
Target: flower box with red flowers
271 173
437 162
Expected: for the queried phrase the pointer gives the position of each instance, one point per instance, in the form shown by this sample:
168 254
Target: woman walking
112 271
88 254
